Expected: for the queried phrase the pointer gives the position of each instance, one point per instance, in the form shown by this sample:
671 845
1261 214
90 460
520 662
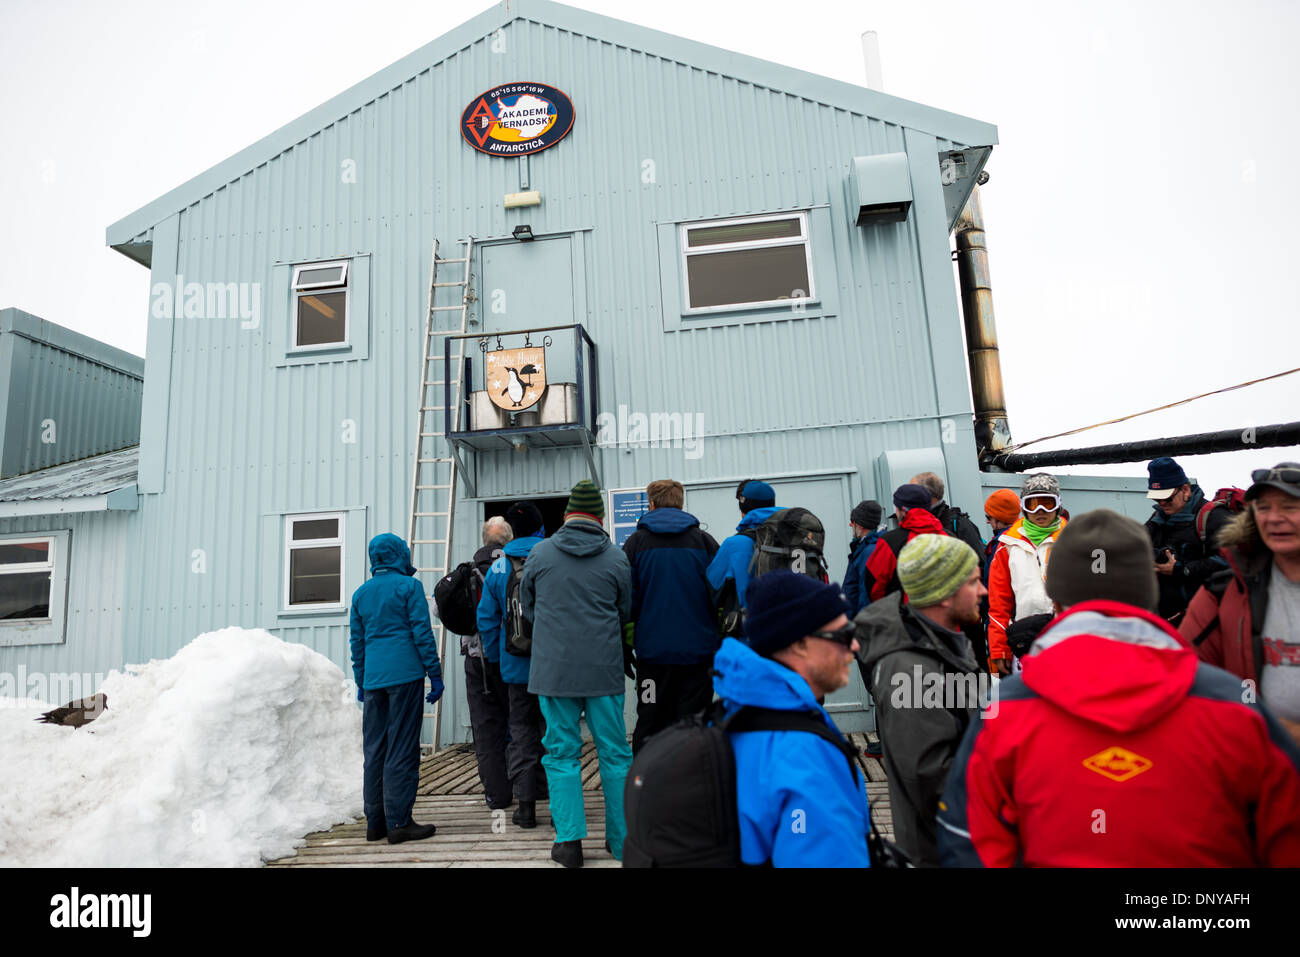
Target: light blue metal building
760 257
70 419
703 266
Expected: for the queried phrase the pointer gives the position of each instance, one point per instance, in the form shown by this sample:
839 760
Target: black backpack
792 538
457 598
679 799
519 630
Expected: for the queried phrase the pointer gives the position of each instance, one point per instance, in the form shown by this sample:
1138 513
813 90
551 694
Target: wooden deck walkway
472 835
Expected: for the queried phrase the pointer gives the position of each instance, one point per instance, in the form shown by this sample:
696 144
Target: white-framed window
26 578
313 561
320 305
752 261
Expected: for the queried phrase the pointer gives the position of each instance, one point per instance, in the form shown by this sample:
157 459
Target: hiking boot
873 750
411 832
568 853
500 805
376 833
526 814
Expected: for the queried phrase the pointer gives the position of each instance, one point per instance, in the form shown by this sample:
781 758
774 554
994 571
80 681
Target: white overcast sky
1142 225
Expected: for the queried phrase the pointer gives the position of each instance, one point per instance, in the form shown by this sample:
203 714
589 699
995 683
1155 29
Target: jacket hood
582 538
388 553
521 546
758 516
922 520
1242 547
667 520
1112 664
744 677
1185 514
882 629
864 542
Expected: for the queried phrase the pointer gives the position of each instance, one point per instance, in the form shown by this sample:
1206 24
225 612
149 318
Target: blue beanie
783 607
754 495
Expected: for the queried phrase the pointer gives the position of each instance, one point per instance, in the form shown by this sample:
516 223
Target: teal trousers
564 767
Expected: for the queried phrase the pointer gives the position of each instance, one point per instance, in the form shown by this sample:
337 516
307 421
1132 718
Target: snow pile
225 754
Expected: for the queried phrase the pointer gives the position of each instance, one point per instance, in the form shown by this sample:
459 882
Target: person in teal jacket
524 751
799 802
577 591
392 652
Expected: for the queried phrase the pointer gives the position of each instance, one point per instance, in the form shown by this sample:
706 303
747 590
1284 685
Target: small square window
320 305
751 262
313 561
26 572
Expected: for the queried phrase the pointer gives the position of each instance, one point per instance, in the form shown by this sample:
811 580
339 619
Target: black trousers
489 715
524 752
666 694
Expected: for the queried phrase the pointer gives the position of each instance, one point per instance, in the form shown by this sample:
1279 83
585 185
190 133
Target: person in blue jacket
675 625
392 652
799 802
524 751
864 521
731 562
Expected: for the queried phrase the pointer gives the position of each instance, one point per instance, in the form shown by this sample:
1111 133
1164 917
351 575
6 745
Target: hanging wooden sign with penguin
516 378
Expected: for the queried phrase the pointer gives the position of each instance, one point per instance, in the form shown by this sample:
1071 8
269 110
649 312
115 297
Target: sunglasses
1041 503
1290 476
843 636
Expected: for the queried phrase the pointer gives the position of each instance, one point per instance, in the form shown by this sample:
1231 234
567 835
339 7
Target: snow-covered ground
225 754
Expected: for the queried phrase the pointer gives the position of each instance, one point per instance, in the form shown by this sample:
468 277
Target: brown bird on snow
76 713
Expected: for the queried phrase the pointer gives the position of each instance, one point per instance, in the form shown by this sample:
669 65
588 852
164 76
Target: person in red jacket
1116 746
912 506
1246 620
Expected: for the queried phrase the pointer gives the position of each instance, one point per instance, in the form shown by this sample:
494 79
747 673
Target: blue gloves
361 693
436 691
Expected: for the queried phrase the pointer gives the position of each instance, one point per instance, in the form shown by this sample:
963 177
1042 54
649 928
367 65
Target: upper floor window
320 305
755 261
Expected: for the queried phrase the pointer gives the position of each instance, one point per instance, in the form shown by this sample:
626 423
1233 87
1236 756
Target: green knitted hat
586 498
932 567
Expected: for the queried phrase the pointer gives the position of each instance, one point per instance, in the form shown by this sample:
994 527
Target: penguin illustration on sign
514 388
515 378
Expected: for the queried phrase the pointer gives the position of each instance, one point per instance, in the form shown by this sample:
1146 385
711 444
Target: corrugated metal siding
96 584
247 439
94 408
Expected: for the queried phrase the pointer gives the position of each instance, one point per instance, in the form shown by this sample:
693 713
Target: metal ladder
437 464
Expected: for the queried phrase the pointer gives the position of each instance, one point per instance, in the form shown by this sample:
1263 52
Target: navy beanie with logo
524 519
912 496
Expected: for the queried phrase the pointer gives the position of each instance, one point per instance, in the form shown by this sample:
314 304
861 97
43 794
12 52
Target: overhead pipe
992 433
1202 443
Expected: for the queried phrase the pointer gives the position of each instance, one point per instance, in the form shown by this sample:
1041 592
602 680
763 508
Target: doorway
552 509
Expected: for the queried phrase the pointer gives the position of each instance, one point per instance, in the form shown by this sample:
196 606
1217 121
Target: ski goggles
1040 503
842 636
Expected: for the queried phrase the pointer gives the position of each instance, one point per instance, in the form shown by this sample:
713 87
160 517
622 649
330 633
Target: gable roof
132 235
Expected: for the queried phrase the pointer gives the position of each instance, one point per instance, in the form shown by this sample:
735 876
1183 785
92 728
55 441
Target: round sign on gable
516 119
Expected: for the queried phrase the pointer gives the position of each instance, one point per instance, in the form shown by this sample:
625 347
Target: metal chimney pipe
1201 443
992 433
